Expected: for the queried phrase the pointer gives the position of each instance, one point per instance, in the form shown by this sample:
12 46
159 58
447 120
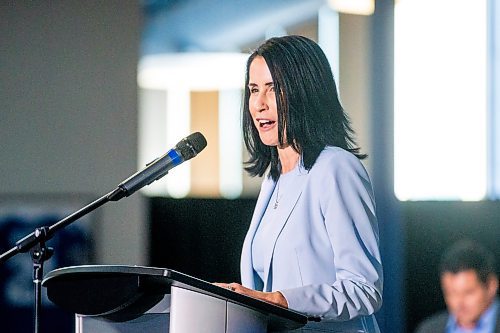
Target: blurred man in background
469 283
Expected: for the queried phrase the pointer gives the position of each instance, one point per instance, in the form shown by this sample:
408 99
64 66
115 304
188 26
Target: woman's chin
268 141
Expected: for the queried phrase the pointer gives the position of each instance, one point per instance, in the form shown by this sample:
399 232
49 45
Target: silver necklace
276 199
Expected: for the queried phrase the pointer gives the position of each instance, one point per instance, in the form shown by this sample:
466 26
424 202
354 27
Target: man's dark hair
467 255
309 110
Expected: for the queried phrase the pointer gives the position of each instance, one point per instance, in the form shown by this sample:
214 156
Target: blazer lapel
247 272
286 207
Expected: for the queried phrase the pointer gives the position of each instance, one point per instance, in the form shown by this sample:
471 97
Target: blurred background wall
69 109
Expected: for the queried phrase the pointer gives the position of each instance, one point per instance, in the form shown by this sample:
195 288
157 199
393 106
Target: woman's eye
253 90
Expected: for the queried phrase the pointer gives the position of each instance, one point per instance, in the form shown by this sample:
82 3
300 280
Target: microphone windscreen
191 145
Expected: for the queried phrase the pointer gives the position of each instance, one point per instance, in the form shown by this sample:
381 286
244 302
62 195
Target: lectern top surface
121 292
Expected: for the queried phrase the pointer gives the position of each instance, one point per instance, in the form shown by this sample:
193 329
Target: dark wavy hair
307 102
467 255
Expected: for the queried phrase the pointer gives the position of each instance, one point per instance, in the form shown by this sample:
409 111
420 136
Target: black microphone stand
186 149
35 244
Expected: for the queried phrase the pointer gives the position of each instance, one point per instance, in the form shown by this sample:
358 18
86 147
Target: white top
284 189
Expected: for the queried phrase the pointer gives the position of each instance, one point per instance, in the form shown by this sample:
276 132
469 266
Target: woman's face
262 101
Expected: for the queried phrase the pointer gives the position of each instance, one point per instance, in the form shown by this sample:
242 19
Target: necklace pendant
276 200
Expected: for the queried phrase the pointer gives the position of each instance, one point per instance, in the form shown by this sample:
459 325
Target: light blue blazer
323 256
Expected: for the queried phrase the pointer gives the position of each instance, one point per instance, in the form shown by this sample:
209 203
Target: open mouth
265 123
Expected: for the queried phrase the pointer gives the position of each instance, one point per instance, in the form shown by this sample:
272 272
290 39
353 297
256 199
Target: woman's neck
288 158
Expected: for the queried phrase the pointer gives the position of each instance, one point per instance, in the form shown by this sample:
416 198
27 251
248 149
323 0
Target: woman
312 245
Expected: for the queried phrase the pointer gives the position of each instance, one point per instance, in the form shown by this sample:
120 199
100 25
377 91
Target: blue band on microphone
176 157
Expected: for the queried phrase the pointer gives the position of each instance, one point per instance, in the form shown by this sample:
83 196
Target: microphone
185 150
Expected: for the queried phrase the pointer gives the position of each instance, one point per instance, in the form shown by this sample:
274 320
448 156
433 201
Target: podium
133 299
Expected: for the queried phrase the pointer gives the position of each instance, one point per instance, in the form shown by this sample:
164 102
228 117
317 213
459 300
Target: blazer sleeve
348 208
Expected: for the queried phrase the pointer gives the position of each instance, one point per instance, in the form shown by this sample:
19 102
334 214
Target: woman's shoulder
332 156
338 162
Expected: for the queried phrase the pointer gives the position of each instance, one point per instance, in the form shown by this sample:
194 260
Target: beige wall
354 85
205 168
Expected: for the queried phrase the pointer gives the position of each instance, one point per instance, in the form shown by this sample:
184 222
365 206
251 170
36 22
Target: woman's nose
260 102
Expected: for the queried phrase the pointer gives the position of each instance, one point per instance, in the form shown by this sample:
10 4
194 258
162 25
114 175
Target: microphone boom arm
35 242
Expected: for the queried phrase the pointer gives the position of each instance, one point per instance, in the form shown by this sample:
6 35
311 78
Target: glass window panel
440 103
